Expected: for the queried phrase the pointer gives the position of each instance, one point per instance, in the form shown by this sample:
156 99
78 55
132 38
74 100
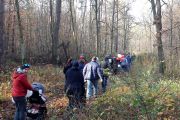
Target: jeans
104 84
20 103
92 88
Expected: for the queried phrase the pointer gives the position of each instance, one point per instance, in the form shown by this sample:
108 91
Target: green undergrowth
140 95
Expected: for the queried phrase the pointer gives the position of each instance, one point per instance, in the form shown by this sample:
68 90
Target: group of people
79 72
120 63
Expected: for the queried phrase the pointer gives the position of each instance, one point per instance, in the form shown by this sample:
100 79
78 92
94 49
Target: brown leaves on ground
51 77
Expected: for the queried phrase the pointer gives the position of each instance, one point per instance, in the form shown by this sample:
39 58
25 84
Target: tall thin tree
56 29
156 8
73 23
22 45
112 28
1 29
97 27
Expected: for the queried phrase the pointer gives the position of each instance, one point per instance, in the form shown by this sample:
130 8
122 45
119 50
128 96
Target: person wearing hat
20 85
92 73
74 86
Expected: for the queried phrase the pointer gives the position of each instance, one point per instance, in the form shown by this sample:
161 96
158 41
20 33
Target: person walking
106 74
68 65
92 73
20 85
82 62
74 86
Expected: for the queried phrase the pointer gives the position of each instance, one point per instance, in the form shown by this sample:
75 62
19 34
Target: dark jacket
74 79
81 65
68 66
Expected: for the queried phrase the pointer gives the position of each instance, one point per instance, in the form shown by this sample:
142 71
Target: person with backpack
20 85
106 73
92 73
74 86
124 63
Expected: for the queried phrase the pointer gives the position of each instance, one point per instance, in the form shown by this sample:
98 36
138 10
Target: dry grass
140 95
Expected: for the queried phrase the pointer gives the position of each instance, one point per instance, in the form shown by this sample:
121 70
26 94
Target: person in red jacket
20 86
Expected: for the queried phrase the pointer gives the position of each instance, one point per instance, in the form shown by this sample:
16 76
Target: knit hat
75 64
81 57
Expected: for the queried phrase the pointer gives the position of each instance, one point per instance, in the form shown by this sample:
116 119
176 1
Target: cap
25 66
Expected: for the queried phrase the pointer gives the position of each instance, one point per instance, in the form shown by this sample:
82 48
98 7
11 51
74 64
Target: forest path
53 80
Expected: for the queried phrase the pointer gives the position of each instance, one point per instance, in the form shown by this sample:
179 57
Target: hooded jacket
74 79
92 71
20 84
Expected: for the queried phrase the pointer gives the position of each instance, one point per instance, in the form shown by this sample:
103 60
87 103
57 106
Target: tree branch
164 3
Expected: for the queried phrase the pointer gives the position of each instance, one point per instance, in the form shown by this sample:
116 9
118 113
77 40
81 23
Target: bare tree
73 23
83 14
112 28
156 8
56 32
117 24
106 28
22 45
125 25
97 26
1 29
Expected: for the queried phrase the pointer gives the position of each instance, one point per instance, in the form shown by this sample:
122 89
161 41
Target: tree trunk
56 32
112 28
83 7
97 27
22 45
13 38
125 29
105 42
1 29
90 28
117 24
171 36
73 23
158 22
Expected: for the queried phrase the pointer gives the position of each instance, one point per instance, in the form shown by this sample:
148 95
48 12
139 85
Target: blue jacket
81 66
128 57
92 71
74 79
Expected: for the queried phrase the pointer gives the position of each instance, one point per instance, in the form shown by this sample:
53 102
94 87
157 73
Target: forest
46 33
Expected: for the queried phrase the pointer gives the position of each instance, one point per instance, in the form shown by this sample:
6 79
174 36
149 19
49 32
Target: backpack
124 62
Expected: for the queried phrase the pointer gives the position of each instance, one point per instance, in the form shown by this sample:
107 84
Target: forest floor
139 95
53 80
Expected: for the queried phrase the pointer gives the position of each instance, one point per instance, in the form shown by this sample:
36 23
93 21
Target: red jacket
20 84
